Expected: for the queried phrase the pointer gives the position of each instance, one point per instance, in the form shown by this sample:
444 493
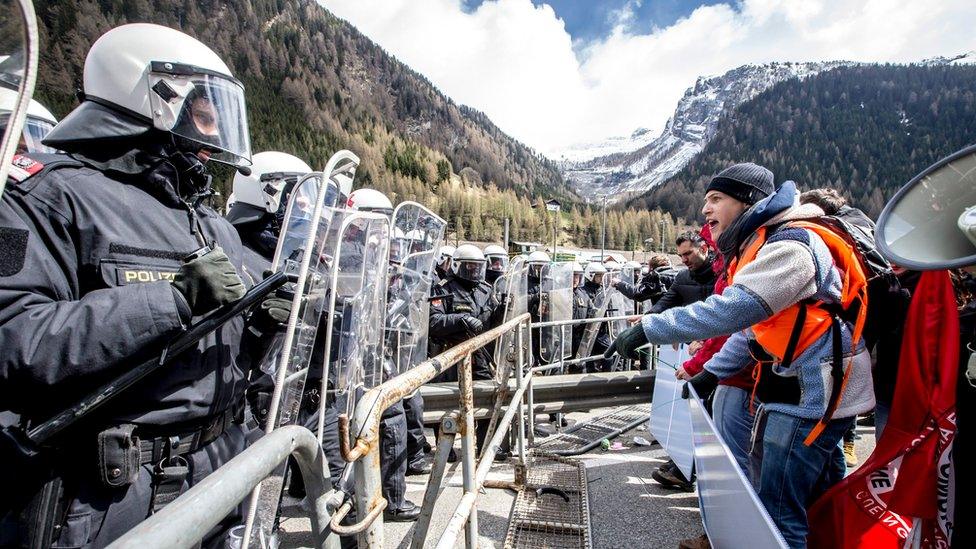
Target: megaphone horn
930 223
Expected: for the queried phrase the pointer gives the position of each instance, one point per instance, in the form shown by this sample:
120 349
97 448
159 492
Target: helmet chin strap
192 170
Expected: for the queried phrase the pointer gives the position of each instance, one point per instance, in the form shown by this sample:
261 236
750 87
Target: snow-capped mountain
623 144
628 170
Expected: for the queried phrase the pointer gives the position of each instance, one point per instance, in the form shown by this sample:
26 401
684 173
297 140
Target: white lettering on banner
670 420
731 511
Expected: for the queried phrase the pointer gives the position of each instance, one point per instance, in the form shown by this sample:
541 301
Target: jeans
793 475
881 412
734 421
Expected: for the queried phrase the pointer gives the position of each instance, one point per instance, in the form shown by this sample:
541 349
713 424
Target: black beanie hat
745 182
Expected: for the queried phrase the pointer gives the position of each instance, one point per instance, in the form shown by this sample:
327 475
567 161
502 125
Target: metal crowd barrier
188 519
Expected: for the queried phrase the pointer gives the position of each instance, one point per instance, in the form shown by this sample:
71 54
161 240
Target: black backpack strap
801 318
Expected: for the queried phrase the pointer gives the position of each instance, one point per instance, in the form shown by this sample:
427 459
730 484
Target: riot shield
601 303
357 309
617 305
303 252
512 292
555 304
19 46
412 256
631 276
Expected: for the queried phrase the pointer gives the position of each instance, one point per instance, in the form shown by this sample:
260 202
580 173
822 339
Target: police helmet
445 255
536 260
39 122
468 263
141 76
612 266
272 174
497 258
593 270
370 200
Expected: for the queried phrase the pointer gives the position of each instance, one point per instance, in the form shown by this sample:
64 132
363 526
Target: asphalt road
627 508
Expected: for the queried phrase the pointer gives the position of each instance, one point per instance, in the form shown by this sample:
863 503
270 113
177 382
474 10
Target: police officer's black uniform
454 302
581 307
603 336
90 249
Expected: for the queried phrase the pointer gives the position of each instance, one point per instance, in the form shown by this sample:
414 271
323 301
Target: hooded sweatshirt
793 265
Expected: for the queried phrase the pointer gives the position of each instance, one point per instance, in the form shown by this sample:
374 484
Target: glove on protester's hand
208 281
704 384
627 342
473 325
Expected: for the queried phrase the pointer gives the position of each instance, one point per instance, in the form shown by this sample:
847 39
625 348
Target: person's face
720 210
598 278
577 279
204 117
692 256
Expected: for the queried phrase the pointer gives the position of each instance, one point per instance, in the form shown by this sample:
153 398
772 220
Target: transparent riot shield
512 292
555 304
631 276
357 310
19 46
418 234
601 302
303 252
617 305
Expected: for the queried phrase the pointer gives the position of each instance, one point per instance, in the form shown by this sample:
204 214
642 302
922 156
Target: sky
555 73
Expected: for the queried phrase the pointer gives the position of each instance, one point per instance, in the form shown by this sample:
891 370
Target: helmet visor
470 270
34 131
203 108
497 262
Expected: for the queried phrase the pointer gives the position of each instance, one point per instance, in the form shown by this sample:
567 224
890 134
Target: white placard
670 420
731 511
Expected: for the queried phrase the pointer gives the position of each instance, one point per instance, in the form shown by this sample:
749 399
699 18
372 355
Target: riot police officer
394 424
39 122
497 262
593 285
96 277
461 307
443 268
581 304
535 262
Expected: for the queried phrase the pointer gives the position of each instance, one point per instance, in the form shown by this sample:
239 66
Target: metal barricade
190 517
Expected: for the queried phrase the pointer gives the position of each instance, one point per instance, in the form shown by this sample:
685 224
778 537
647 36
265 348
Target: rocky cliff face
626 172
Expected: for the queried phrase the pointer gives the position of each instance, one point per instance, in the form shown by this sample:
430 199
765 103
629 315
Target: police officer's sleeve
51 331
442 323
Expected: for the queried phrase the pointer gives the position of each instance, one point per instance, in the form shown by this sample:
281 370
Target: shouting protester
782 267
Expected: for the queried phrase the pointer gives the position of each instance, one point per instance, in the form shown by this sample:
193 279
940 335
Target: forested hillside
315 84
864 130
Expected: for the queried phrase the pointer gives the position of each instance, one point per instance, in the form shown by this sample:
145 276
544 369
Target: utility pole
555 207
662 235
506 235
603 231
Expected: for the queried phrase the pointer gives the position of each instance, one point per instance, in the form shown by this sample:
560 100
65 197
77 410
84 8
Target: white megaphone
930 223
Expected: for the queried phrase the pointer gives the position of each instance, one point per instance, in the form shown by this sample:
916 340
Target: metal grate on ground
583 437
553 510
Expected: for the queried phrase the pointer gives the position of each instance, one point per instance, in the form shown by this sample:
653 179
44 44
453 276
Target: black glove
271 315
473 324
627 342
704 384
209 281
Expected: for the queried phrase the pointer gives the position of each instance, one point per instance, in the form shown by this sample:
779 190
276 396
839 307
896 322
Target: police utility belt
122 451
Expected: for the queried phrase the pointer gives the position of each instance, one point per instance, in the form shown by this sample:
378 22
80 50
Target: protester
777 265
651 285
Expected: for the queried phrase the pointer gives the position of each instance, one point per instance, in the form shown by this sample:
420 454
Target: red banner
907 478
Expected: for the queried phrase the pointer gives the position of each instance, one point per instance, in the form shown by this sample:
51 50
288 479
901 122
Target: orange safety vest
778 333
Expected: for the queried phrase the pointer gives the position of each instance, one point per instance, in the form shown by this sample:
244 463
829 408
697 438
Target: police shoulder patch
23 167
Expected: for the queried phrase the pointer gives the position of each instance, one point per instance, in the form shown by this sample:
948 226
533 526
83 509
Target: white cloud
516 62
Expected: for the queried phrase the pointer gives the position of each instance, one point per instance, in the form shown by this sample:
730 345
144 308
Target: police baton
31 441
